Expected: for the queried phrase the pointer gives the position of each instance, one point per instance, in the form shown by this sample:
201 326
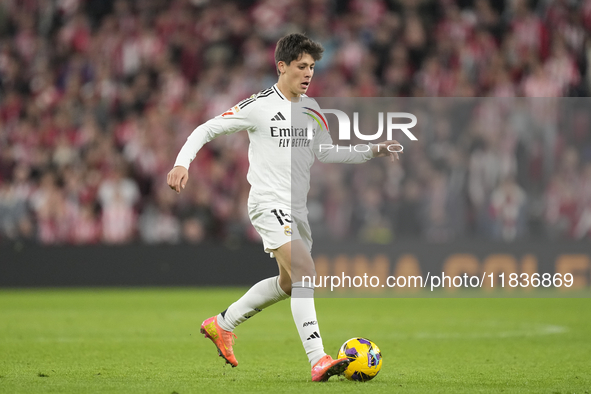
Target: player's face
298 74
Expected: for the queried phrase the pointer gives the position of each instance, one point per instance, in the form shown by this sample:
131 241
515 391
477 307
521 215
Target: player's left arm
387 148
327 152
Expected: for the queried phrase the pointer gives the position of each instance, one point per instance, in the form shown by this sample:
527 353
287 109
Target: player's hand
387 148
177 178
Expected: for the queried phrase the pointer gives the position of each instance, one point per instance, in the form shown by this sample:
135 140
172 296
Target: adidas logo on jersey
278 116
313 336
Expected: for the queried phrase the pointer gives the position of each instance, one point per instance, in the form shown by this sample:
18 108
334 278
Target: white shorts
277 227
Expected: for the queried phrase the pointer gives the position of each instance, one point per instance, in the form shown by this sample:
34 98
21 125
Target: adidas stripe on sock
304 316
260 296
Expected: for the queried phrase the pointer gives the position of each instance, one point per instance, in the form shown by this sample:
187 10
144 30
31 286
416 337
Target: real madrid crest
287 230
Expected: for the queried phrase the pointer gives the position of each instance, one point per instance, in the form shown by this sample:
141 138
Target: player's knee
286 286
285 283
305 273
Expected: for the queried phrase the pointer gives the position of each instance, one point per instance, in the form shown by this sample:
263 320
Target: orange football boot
221 338
327 367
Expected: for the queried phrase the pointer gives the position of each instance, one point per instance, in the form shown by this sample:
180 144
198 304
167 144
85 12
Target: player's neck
287 92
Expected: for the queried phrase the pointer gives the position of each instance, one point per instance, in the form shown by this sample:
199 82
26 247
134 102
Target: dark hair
292 46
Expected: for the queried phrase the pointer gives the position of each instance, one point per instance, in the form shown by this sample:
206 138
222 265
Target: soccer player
279 175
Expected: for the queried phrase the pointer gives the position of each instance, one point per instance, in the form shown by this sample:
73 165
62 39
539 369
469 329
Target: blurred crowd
98 96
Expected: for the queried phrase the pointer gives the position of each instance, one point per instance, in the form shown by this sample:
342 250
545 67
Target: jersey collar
281 94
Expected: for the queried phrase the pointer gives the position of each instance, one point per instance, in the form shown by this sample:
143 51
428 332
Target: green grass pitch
148 341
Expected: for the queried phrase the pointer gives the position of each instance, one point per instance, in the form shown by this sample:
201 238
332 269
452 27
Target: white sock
304 316
263 294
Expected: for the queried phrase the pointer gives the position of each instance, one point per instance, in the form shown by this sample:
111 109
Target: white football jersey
280 152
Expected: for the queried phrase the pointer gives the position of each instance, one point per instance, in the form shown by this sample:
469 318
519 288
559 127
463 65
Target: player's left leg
295 258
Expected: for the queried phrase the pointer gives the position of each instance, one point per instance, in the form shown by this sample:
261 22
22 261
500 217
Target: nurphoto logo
345 129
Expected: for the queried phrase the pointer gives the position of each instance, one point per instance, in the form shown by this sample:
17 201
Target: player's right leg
220 328
260 296
222 339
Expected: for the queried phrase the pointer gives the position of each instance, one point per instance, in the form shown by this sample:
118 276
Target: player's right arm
231 121
177 178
